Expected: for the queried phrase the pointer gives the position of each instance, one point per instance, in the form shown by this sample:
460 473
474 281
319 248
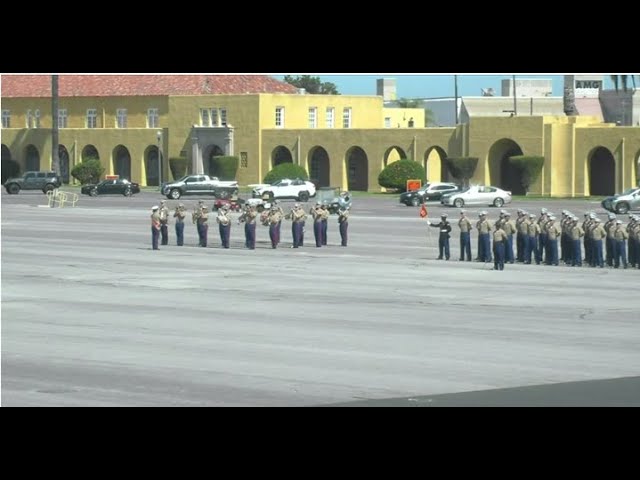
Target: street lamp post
159 137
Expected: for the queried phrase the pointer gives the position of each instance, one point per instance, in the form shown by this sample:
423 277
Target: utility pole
55 157
515 105
455 81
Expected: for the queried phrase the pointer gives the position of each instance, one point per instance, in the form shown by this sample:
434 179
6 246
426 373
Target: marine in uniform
465 236
586 227
521 235
249 218
164 222
553 232
484 238
633 229
620 237
610 242
576 232
224 226
509 228
443 239
499 241
297 217
533 230
155 227
316 214
343 222
203 220
597 234
179 216
274 219
542 235
324 212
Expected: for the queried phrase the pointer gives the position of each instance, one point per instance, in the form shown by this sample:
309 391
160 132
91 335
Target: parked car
429 191
45 181
334 198
623 202
296 189
478 195
121 186
199 185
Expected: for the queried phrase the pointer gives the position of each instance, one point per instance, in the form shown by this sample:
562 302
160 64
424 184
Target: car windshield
629 191
465 189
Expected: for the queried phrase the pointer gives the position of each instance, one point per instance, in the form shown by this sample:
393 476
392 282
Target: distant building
528 87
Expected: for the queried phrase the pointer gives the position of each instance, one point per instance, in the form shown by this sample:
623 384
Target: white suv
297 189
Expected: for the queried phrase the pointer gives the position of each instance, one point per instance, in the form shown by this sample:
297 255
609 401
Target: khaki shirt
576 232
223 219
464 224
164 214
343 216
155 220
524 227
553 232
179 215
598 232
484 226
499 235
203 218
275 217
610 228
509 227
533 229
620 234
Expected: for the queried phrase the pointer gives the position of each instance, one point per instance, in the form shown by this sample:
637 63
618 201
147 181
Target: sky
411 86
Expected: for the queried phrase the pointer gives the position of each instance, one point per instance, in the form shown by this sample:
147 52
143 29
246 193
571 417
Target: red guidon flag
423 211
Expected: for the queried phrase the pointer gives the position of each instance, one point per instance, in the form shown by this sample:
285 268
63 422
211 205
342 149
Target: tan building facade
340 140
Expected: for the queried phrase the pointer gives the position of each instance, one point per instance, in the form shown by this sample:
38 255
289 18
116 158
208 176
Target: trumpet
195 214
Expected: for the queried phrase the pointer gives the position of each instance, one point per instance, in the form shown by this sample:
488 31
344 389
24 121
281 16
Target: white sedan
478 195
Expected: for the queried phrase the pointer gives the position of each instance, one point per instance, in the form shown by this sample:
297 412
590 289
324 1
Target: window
214 118
29 119
92 118
153 118
331 117
62 118
346 117
313 117
244 160
121 118
223 117
280 117
6 119
204 117
37 118
387 122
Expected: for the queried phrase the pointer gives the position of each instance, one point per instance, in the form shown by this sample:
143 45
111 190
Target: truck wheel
13 188
93 192
303 196
175 194
458 203
48 187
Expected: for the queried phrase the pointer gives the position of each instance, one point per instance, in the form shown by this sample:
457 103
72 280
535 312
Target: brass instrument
195 214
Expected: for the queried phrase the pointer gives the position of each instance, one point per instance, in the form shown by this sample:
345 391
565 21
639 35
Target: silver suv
45 181
623 202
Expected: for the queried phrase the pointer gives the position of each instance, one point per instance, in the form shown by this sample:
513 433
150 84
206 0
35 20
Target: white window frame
313 117
153 118
37 118
63 118
279 117
92 118
205 118
223 117
346 117
6 118
387 122
215 117
331 117
121 118
28 119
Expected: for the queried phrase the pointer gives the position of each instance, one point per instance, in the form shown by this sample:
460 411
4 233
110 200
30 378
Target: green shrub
396 174
462 168
225 168
10 168
529 168
88 171
178 166
286 170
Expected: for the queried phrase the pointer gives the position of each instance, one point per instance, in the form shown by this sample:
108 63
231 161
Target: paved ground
92 316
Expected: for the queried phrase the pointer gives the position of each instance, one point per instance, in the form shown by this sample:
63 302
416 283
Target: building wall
400 117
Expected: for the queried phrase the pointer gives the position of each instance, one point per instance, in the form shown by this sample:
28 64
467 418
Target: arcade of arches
122 162
502 174
602 172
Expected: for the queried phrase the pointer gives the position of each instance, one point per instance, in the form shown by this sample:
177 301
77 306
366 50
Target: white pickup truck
199 185
296 189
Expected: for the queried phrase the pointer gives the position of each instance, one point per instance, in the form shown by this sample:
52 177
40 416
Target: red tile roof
140 85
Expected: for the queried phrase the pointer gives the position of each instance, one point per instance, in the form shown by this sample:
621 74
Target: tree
178 166
88 171
396 174
312 84
462 168
225 167
529 168
624 79
286 170
408 103
10 169
429 117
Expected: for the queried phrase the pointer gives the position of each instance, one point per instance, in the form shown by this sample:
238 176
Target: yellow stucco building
341 140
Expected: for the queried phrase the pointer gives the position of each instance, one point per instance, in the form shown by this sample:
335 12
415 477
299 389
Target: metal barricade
62 198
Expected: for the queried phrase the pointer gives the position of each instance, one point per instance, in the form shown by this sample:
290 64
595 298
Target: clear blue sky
431 85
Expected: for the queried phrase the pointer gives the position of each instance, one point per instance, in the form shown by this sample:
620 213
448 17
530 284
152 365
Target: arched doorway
32 157
357 165
602 172
319 167
210 153
9 167
89 152
122 162
152 166
637 166
63 156
435 165
393 154
280 155
501 173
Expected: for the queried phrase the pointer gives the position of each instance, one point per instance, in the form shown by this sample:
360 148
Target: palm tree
624 79
429 117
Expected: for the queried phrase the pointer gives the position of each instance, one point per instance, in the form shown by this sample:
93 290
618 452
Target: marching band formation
271 218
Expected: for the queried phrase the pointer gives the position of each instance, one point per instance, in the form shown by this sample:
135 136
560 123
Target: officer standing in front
155 227
343 221
465 236
164 222
179 215
509 228
533 230
620 236
499 241
522 224
224 225
597 234
443 238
